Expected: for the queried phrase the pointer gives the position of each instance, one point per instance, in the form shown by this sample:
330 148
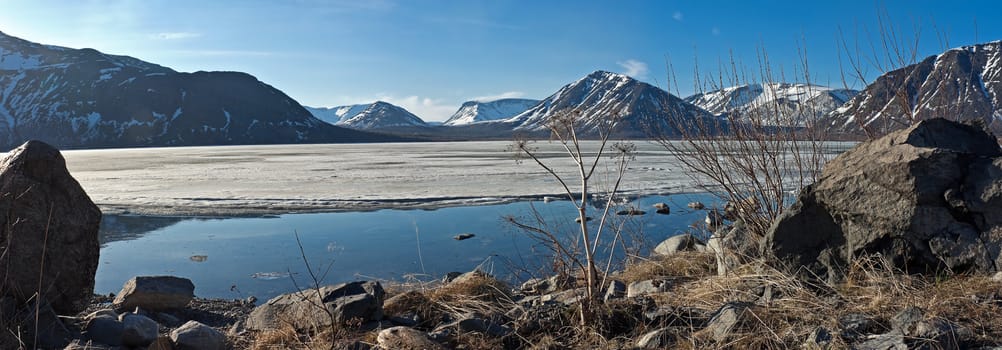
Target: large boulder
926 198
48 230
155 293
309 308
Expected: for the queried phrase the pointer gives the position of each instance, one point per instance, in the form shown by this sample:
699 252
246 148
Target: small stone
631 212
680 243
657 339
696 205
578 219
105 330
616 290
646 287
403 338
451 276
463 236
197 336
138 330
723 323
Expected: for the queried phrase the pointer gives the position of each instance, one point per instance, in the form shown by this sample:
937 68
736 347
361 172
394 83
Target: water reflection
262 256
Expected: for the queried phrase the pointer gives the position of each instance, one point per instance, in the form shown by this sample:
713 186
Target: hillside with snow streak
964 83
87 99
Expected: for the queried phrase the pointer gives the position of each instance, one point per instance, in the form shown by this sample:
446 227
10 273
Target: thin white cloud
428 109
174 35
508 94
677 16
634 68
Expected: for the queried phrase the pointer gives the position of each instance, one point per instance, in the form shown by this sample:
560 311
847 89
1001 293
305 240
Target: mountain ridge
83 98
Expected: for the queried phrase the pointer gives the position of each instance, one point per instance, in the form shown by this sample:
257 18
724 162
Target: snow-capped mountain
477 111
601 95
775 104
85 98
335 115
376 115
962 84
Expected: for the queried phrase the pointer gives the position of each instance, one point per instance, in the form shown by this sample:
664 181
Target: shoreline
233 207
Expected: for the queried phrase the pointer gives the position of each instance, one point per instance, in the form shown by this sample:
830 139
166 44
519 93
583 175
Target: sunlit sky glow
430 56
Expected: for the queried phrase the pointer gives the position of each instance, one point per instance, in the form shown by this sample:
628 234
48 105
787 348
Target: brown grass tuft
680 265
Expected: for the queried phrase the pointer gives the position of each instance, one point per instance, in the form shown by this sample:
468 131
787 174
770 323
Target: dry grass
682 265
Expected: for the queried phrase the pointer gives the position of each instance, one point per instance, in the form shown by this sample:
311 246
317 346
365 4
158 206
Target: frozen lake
239 180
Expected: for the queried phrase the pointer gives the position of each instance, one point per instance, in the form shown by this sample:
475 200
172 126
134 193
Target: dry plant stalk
563 129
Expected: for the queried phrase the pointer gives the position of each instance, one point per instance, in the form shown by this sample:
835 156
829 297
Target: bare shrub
577 253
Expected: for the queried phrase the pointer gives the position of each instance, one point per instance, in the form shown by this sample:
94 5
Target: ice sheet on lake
234 180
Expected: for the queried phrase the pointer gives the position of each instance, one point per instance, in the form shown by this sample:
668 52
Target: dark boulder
926 198
48 230
340 303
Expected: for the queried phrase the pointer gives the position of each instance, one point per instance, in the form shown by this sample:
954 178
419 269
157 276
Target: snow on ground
254 180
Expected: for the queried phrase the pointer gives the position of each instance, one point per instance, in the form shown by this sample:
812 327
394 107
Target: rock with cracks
309 308
925 199
48 230
155 293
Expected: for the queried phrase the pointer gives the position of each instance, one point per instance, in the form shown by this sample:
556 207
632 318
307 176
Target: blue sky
430 56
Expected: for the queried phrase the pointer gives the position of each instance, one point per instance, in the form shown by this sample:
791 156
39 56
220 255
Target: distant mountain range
85 99
963 83
369 116
774 104
481 111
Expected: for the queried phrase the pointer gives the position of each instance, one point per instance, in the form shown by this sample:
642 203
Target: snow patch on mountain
480 111
773 103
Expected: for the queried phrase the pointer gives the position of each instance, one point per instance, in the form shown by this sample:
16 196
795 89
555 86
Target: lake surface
240 257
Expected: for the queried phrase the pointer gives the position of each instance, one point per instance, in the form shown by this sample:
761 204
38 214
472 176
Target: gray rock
922 332
539 286
888 341
194 335
662 208
646 287
450 276
856 326
46 212
403 338
938 187
696 205
567 297
616 290
155 293
303 310
723 323
819 339
104 329
463 236
138 330
631 212
679 243
476 324
657 339
997 277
